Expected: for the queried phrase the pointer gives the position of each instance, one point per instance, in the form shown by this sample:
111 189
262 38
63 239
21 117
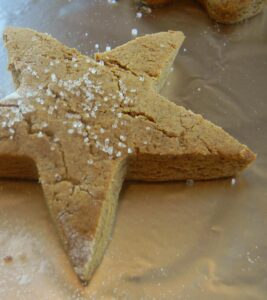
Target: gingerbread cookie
227 12
87 125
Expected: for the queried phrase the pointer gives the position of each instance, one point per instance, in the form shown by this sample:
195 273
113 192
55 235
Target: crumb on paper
23 257
8 259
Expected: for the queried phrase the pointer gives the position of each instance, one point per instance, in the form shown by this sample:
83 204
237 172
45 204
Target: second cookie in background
226 12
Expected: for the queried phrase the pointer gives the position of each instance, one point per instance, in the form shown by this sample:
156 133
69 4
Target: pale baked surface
224 11
87 126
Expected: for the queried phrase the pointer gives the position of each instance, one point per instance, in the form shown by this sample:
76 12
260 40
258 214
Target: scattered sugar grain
134 32
142 78
53 77
122 138
233 181
118 154
108 48
121 145
40 134
190 182
58 177
90 161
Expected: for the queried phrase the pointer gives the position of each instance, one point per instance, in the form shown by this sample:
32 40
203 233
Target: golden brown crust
227 12
232 11
87 125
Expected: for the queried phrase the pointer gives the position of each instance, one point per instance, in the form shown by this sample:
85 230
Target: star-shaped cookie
83 125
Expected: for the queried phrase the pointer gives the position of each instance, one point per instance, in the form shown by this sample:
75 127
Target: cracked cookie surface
87 124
